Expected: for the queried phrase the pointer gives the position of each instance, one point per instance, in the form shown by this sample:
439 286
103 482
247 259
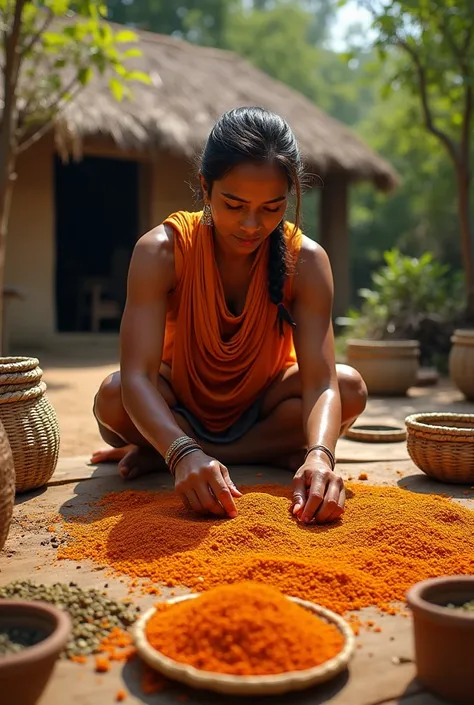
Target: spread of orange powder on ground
387 540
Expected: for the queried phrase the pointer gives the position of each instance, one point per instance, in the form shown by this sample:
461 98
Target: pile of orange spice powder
387 540
243 629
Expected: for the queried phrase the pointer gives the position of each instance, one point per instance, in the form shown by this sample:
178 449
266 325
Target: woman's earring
206 218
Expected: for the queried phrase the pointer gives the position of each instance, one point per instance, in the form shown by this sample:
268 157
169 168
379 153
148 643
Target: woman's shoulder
185 224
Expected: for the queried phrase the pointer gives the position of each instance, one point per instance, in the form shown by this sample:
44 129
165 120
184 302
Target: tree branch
10 82
55 109
457 51
52 107
429 122
37 35
466 127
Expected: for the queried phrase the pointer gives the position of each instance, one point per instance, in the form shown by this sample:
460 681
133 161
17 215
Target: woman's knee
353 391
108 404
108 400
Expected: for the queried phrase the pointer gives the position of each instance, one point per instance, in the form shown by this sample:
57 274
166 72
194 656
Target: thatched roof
192 87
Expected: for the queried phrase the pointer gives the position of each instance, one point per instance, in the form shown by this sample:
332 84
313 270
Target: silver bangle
323 449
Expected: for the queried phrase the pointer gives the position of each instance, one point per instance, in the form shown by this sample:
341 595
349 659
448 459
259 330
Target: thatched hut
74 224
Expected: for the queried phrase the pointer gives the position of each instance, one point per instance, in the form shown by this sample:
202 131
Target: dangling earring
206 218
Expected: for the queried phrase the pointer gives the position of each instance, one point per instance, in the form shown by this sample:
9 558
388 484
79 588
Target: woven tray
247 685
442 445
376 434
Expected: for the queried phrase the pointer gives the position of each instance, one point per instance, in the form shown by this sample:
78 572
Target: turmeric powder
243 629
386 540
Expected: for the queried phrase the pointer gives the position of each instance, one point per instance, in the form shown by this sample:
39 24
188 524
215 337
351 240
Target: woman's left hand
318 493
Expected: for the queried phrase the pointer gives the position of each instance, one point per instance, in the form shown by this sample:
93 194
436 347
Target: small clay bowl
444 636
23 676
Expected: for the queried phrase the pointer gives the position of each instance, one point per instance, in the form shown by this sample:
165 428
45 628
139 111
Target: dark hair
257 135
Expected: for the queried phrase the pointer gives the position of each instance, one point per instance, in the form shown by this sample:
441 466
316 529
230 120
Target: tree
50 51
199 21
434 41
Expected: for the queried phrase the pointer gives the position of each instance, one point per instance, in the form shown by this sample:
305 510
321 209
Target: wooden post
334 237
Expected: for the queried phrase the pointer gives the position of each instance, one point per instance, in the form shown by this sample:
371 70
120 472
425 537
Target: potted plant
406 319
443 619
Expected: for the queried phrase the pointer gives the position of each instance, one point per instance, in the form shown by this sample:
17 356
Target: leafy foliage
410 298
60 45
433 41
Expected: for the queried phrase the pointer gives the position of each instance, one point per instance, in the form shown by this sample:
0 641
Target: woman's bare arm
151 277
314 343
203 483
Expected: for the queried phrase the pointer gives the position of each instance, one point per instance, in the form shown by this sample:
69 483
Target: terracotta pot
388 367
461 362
23 676
29 420
444 637
7 486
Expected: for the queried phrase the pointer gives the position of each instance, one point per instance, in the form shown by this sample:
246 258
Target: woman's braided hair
258 135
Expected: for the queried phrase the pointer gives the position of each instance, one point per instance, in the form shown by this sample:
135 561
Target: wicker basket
7 486
461 362
388 368
248 685
442 445
376 434
29 420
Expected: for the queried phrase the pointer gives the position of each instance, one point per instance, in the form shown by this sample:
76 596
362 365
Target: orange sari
215 376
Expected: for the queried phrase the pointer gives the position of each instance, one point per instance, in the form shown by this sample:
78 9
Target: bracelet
178 443
324 450
183 454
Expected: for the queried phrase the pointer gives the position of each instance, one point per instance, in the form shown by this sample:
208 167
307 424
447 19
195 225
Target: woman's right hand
204 485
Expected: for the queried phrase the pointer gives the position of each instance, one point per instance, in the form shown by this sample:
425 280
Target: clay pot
461 362
444 637
388 367
23 676
7 486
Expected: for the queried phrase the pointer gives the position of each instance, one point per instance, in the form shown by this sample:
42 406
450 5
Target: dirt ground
71 388
74 376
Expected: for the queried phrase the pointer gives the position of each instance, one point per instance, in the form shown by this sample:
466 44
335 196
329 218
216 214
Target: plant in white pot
406 319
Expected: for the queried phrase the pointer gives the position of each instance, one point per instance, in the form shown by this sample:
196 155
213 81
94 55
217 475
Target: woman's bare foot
140 461
110 455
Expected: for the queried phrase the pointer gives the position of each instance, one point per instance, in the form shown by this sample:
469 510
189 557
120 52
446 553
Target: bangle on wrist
325 450
178 449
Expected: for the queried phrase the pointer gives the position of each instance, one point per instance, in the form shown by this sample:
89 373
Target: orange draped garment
221 363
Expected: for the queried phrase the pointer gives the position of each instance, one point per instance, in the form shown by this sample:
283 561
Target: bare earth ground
382 671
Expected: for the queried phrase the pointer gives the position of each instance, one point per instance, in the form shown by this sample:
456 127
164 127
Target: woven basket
461 362
376 434
248 685
29 420
388 368
7 486
442 445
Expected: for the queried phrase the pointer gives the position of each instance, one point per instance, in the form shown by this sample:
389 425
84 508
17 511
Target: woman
209 374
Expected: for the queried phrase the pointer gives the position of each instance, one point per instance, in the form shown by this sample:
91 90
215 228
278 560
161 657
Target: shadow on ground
422 484
313 696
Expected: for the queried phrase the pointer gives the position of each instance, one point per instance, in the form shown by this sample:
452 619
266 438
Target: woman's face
247 205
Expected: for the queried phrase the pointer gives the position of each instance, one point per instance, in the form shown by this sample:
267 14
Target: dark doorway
97 224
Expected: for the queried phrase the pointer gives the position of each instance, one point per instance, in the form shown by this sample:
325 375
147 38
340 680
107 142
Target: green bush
415 298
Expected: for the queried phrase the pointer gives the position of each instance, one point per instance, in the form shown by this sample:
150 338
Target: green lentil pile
467 606
92 613
15 639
